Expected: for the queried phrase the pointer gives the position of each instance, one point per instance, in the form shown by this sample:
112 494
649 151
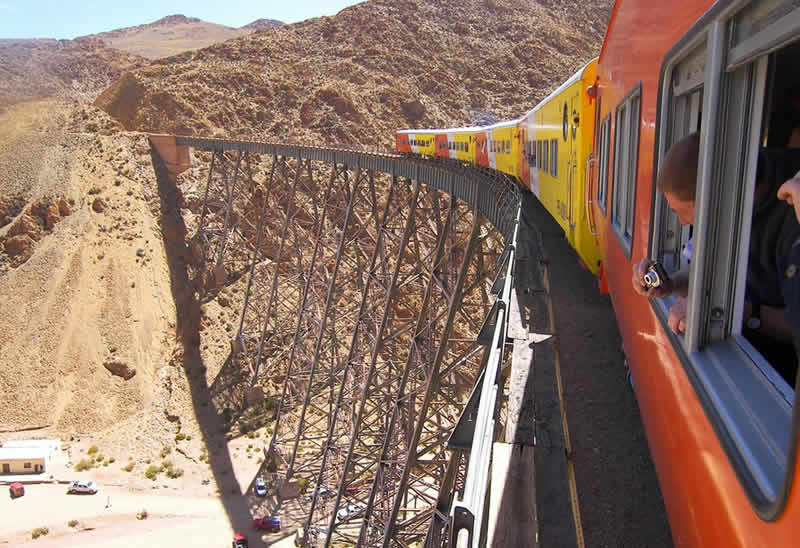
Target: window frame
627 133
603 157
732 381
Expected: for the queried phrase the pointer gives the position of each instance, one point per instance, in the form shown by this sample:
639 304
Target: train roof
572 79
466 129
506 123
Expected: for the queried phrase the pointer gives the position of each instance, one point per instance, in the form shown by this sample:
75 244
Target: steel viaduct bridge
376 331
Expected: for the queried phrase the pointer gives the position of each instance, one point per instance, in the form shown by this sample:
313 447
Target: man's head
677 177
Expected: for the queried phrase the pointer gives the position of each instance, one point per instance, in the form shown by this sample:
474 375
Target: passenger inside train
767 323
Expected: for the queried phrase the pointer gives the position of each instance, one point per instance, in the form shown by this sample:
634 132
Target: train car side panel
705 500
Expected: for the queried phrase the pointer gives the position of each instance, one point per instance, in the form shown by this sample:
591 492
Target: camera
655 276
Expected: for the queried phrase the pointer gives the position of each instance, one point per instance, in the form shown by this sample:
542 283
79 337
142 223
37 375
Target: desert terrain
91 334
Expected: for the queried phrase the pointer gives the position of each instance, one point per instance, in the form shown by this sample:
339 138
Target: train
721 419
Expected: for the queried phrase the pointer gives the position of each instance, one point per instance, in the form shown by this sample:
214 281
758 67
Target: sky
71 18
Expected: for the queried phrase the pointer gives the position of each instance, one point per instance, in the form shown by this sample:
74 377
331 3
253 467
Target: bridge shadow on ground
188 310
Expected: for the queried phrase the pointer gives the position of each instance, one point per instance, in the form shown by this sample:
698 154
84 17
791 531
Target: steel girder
365 295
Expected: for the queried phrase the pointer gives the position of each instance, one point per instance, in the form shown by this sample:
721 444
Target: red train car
720 416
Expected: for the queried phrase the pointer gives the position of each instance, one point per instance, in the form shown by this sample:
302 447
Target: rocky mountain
31 69
175 34
375 66
261 24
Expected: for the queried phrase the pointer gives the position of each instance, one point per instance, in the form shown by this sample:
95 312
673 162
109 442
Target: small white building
27 456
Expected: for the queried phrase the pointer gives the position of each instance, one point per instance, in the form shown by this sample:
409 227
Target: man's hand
677 315
639 270
790 192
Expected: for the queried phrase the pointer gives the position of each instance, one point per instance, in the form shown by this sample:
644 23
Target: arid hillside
31 69
376 66
175 34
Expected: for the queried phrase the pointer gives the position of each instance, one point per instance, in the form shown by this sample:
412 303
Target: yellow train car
417 141
555 159
502 144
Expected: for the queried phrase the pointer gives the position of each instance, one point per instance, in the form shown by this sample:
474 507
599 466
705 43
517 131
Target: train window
735 80
554 157
602 162
626 153
540 160
545 156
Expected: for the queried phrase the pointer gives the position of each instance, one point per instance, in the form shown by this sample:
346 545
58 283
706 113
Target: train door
481 149
568 134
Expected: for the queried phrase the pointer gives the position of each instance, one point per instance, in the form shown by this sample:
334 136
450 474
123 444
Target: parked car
268 523
82 487
350 510
16 489
260 487
239 541
323 492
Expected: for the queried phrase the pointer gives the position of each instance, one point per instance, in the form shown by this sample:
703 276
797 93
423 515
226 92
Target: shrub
92 450
83 465
128 467
166 464
142 515
272 465
165 451
111 460
39 531
302 484
188 438
152 472
99 458
174 473
72 523
180 436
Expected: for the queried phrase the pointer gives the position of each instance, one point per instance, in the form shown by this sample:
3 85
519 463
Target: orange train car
721 416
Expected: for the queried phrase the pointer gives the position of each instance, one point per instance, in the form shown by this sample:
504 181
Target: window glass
546 156
554 157
539 154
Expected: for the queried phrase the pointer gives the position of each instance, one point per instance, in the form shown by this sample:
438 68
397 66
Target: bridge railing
468 515
491 193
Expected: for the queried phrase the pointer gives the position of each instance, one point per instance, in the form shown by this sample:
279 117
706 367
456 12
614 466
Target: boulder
20 246
47 212
26 226
98 205
120 369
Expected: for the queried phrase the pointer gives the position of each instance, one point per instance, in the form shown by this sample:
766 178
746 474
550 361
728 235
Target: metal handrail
467 514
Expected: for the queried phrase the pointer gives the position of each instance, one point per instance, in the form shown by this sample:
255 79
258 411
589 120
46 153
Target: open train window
734 79
626 155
